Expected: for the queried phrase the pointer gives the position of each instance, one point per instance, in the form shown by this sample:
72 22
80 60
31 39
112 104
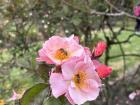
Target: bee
77 78
63 51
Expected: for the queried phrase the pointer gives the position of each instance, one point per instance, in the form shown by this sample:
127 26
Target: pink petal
76 38
43 57
87 51
73 37
132 95
58 84
93 75
91 92
68 68
54 43
81 66
75 49
15 96
77 96
87 59
69 98
89 69
96 63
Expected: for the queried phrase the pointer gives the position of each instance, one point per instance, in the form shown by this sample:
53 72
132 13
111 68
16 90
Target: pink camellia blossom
15 96
79 81
99 49
137 11
57 50
103 70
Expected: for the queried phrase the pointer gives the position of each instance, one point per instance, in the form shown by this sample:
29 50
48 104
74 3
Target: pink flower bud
99 49
137 11
15 96
103 71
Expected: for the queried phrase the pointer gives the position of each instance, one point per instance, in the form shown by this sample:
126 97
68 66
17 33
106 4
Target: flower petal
68 68
91 92
73 37
43 57
89 69
96 63
67 95
58 84
77 96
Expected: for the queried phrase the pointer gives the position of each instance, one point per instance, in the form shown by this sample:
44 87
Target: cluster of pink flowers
137 11
77 73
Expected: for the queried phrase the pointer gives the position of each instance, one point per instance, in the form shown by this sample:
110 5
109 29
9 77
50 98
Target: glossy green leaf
31 93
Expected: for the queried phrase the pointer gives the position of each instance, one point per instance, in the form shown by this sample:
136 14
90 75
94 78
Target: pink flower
99 49
103 70
79 81
137 11
132 95
57 50
15 96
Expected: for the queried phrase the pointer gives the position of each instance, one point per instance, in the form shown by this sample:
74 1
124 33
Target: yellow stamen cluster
61 54
79 79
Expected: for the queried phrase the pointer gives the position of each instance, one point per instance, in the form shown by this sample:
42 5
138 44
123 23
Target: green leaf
52 101
53 3
66 9
81 5
31 93
43 71
136 1
87 103
60 101
76 20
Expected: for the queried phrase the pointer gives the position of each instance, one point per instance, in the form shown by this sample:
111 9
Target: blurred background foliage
26 24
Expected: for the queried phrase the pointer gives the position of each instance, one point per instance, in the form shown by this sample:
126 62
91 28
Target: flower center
79 79
61 54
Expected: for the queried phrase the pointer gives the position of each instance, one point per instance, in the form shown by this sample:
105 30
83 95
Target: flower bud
103 71
137 11
99 49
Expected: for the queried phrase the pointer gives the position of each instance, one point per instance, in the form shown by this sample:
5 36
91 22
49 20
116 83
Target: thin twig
117 56
121 11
